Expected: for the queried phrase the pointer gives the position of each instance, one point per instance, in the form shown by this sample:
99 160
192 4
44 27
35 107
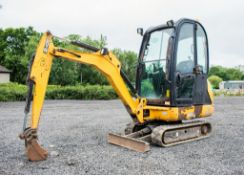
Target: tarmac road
75 132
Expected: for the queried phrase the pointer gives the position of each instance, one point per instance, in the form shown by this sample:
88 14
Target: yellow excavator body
158 119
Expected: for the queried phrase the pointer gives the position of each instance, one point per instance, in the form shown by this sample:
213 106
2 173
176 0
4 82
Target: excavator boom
106 62
38 77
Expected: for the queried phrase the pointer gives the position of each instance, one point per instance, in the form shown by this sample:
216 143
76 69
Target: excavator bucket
34 151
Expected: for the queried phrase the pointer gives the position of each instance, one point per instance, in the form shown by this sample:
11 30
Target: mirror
140 31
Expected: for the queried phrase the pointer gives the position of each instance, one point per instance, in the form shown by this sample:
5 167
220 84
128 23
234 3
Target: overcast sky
118 20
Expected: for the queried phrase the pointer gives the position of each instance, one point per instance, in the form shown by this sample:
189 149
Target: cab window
154 64
201 48
185 51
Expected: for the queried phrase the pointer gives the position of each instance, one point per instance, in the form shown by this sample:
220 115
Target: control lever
178 79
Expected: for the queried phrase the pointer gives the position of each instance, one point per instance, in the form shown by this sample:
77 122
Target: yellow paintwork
210 91
110 66
40 71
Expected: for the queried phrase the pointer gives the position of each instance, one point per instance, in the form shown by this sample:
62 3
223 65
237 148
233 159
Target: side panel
174 114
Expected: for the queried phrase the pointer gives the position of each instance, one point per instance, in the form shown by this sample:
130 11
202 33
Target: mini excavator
170 98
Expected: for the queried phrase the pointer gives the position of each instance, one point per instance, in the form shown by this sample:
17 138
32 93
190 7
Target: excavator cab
173 65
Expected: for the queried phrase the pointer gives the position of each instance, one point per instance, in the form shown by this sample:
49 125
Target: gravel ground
74 132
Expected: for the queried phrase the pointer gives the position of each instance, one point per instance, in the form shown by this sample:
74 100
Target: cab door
191 65
200 93
185 63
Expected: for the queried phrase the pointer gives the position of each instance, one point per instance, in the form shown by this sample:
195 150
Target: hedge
17 92
228 92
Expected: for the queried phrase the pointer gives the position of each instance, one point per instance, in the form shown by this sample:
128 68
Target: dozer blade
35 152
128 142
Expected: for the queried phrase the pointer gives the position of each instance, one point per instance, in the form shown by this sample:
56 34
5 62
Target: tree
91 75
3 45
242 77
233 74
13 43
17 45
65 72
218 71
226 73
128 60
215 80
